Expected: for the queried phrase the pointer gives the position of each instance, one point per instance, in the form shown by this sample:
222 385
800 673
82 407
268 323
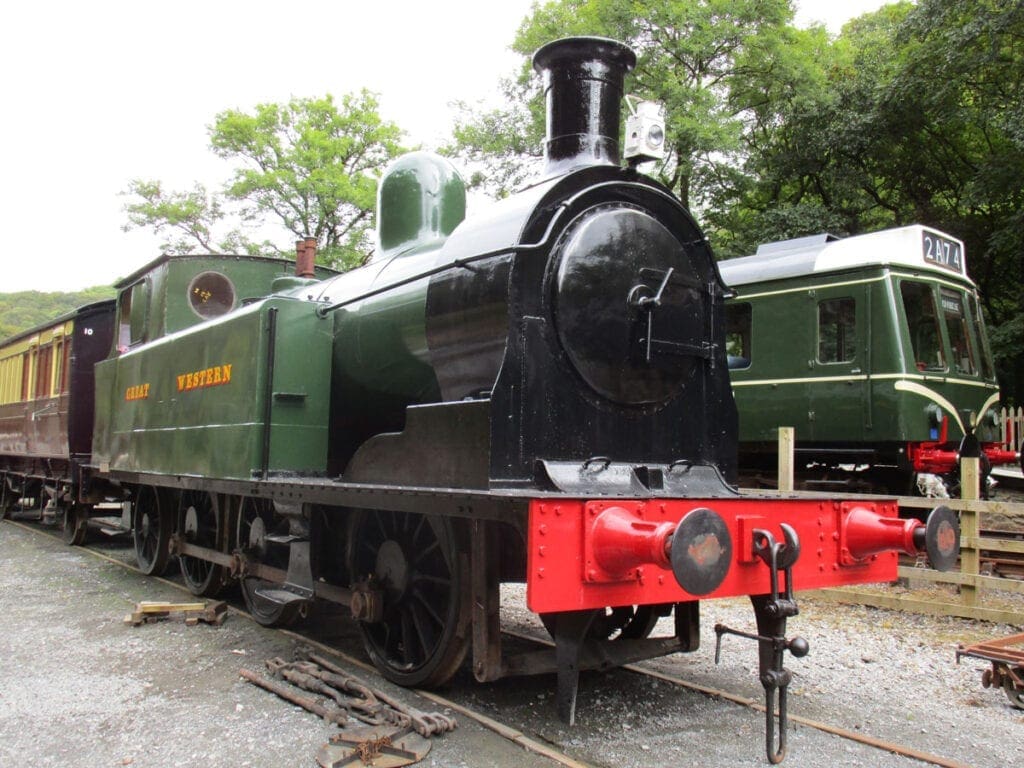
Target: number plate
942 251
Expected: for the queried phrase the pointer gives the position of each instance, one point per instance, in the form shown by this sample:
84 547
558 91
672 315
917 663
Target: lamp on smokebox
645 132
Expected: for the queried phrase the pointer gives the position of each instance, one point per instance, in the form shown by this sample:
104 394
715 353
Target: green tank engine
539 393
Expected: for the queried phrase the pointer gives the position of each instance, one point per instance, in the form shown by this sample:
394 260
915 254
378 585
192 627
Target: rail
972 583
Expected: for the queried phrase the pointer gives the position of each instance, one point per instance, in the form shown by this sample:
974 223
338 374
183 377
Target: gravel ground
79 688
886 674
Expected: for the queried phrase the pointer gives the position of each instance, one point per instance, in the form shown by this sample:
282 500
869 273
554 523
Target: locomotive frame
537 394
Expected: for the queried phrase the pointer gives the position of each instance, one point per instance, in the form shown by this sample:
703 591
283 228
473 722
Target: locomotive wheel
151 529
74 524
258 527
626 621
201 522
416 560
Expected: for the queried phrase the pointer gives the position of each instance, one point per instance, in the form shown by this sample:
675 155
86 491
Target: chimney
583 79
305 257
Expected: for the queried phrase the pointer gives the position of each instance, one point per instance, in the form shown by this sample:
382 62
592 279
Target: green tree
310 166
918 119
693 55
964 84
187 220
27 309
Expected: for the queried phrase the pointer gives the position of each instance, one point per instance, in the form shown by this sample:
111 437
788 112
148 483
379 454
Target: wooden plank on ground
957 578
900 603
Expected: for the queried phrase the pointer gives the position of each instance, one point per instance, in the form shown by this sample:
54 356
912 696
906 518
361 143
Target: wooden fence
1013 428
971 583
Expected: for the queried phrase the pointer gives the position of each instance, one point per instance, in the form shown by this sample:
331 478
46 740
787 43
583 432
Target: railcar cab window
211 294
737 335
837 330
923 325
978 328
960 345
134 313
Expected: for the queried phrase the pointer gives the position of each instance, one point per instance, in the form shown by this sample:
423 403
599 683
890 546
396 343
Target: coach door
839 364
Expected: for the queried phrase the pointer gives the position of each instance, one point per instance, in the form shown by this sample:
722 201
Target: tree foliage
913 114
310 166
186 220
917 118
27 309
692 55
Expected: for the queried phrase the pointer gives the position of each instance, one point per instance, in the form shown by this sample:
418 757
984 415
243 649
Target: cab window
211 294
923 325
134 314
960 346
837 330
737 335
978 324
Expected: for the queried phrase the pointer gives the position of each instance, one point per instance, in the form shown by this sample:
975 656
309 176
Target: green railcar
872 347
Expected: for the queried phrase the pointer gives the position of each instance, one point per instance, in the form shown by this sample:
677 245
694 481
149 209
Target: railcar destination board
942 251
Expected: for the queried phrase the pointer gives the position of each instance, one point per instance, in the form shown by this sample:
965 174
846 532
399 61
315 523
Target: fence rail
1012 420
969 579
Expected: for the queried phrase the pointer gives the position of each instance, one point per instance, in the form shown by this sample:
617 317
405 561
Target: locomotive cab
175 292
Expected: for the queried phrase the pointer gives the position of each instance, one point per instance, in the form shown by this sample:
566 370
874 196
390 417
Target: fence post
1018 429
787 445
970 560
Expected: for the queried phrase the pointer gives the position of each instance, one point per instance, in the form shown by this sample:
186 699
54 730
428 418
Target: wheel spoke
423 633
427 606
406 644
424 554
440 581
419 528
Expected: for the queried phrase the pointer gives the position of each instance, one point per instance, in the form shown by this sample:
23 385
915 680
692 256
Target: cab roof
915 246
286 264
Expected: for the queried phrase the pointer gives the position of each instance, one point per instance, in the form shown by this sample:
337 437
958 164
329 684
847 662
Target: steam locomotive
537 394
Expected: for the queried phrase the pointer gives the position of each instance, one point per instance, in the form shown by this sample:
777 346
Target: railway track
467 704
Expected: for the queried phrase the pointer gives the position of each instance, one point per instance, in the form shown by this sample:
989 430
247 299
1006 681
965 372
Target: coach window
65 366
58 366
737 335
44 370
960 347
134 314
27 360
837 330
923 325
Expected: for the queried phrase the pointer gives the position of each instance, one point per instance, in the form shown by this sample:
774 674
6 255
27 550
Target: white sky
98 93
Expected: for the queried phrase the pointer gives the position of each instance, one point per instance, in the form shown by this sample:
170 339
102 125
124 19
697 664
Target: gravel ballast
77 687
